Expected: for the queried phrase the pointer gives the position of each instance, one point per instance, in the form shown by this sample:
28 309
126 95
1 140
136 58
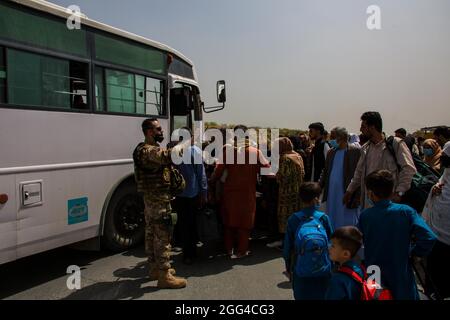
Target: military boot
154 273
167 281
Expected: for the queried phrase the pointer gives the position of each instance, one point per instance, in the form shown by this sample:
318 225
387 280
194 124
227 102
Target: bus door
180 107
185 107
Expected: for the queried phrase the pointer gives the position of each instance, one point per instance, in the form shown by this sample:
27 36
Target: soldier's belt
151 197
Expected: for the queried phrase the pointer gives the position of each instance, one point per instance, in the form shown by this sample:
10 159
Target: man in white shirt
375 155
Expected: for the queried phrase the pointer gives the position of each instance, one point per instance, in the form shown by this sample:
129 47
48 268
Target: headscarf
446 173
447 148
285 149
354 138
434 160
285 146
437 208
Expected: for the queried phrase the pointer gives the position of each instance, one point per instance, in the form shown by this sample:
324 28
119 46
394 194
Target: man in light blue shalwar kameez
338 212
341 163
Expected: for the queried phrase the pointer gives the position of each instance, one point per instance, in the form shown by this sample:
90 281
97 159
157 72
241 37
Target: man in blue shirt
392 234
193 196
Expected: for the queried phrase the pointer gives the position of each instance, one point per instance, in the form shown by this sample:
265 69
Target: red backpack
370 289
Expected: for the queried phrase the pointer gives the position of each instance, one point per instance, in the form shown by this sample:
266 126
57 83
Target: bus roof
60 11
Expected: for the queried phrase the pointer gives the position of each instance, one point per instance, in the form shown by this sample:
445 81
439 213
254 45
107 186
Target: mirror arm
213 109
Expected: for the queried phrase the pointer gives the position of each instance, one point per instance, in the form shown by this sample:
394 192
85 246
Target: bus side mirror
221 93
221 97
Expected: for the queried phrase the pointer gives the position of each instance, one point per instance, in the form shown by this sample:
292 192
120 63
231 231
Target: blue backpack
311 246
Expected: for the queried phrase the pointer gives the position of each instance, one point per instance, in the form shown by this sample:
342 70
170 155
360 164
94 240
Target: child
306 246
392 233
345 243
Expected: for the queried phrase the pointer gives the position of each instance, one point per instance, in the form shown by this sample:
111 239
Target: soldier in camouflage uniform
154 182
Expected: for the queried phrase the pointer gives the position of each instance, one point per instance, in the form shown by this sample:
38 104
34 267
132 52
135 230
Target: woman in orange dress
238 202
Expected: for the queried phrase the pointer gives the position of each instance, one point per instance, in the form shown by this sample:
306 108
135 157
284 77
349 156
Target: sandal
240 256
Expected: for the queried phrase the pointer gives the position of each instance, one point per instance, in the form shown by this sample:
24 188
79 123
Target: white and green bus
71 106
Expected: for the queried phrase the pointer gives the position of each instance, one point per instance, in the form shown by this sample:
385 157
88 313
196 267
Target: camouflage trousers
157 234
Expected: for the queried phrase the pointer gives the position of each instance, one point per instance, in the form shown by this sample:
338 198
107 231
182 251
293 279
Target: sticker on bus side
77 210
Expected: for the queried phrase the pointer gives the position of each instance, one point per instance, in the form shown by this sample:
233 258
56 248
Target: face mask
428 152
333 143
159 138
445 161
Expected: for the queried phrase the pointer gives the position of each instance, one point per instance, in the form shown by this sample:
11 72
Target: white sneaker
274 244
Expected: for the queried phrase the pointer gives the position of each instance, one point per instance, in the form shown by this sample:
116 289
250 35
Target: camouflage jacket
150 170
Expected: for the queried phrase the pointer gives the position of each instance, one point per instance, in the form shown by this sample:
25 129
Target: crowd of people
339 201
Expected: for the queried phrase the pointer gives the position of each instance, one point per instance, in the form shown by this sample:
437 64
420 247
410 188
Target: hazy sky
291 62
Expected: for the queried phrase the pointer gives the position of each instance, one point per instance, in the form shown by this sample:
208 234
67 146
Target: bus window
45 32
181 68
185 102
140 94
128 93
120 91
2 76
42 81
78 85
154 94
181 121
99 90
131 55
181 104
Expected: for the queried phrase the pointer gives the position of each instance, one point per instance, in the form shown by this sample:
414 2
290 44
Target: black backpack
424 179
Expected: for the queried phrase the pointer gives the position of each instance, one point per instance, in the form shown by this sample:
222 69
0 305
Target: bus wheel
124 221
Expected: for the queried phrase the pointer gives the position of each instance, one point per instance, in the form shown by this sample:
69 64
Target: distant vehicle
71 106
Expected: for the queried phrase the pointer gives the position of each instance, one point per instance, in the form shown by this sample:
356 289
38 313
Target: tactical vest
152 181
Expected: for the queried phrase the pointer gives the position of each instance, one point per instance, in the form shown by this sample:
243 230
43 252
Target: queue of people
335 195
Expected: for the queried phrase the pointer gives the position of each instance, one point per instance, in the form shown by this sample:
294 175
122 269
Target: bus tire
124 220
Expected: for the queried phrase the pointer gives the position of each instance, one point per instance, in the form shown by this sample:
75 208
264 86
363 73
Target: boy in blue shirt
392 234
345 243
305 247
